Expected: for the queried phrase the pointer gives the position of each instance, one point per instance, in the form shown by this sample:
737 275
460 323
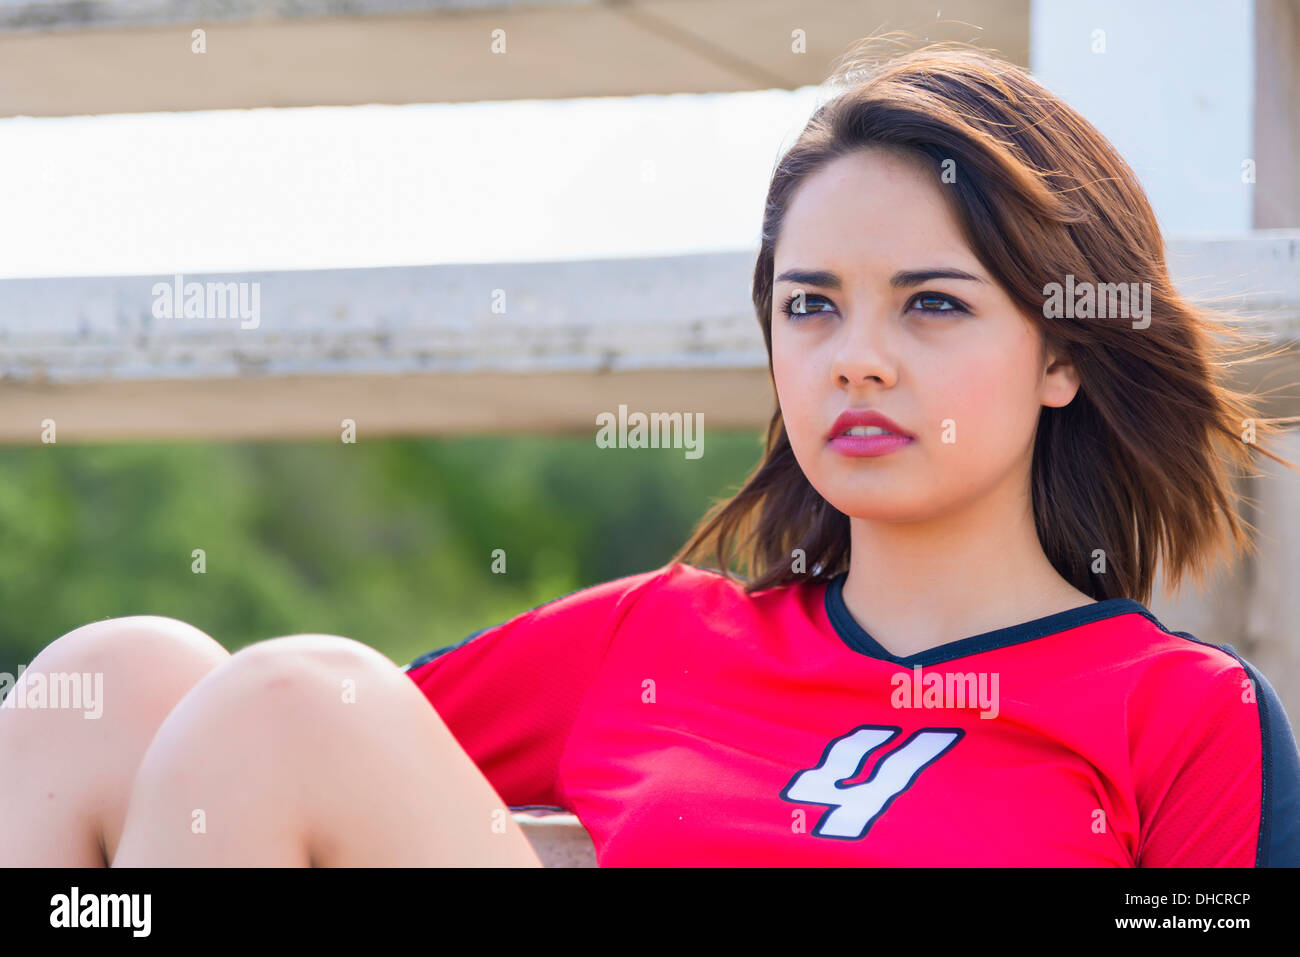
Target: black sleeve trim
427 657
1279 817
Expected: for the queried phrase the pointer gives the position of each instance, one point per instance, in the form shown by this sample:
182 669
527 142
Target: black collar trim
856 637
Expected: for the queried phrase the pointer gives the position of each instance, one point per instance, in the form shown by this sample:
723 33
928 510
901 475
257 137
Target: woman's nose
863 354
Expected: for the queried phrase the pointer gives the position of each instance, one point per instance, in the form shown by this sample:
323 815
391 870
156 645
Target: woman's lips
896 436
859 446
858 418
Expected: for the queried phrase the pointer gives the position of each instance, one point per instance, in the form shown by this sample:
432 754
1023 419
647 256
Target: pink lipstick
865 432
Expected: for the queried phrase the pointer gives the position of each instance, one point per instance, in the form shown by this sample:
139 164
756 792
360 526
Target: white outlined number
856 807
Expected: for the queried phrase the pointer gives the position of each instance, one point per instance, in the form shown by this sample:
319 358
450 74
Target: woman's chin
875 505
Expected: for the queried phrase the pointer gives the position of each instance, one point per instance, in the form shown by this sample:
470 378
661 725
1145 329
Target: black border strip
428 656
1271 743
857 638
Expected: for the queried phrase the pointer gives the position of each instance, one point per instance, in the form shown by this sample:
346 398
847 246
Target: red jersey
686 723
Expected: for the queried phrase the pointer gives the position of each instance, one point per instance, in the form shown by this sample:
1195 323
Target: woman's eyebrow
811 277
916 277
912 277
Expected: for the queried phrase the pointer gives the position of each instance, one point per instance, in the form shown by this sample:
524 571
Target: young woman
941 655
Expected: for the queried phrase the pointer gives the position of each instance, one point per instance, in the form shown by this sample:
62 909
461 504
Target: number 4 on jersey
856 807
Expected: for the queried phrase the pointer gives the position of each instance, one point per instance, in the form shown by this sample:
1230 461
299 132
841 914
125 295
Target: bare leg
313 750
67 777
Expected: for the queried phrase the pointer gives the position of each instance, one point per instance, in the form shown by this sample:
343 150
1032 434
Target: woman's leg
313 750
67 776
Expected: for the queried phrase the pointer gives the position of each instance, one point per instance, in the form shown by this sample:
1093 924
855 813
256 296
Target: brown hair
1137 464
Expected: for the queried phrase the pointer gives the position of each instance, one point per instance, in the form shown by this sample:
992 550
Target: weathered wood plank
444 349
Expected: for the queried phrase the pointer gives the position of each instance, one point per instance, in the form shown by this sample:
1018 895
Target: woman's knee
134 646
295 679
273 720
301 653
138 665
128 673
318 742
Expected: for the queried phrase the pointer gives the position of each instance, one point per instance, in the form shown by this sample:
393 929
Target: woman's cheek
794 392
977 427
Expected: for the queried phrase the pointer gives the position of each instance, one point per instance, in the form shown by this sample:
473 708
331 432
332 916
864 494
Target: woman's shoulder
1179 660
674 584
674 580
678 579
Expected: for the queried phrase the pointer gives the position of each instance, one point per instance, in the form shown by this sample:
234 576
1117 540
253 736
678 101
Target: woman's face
950 360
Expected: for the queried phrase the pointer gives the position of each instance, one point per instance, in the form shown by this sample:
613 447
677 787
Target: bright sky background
332 187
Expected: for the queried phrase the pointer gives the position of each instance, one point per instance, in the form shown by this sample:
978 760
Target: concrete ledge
415 350
558 837
467 348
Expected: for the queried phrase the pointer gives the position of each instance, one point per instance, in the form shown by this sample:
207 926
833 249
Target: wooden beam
70 58
464 348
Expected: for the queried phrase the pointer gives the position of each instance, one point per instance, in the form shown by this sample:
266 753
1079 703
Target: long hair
1138 463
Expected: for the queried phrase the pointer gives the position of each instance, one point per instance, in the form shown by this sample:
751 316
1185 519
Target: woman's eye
932 302
796 311
926 302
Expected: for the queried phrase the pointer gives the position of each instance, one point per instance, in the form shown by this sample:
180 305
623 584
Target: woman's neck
916 585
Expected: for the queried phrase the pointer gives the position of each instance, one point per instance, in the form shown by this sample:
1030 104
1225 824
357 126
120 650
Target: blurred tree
389 542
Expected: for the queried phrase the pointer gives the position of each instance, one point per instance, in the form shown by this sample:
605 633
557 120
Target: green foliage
389 542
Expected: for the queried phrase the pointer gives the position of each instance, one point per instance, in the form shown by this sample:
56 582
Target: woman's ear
1060 380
